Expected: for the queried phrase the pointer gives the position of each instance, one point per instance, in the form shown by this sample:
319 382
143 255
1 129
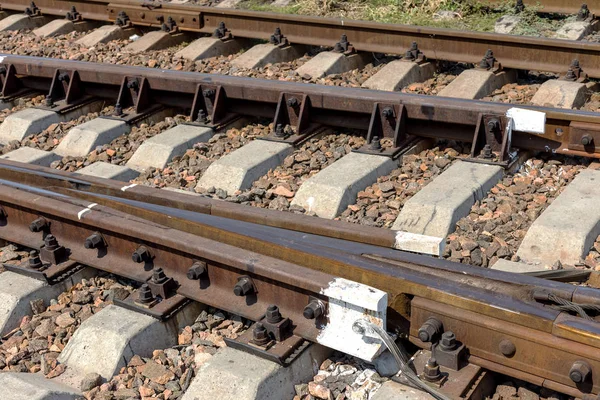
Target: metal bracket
344 46
209 107
123 20
74 15
414 54
575 73
161 285
584 136
66 93
161 310
33 11
492 141
51 274
489 63
278 39
584 14
292 119
387 120
135 92
283 353
170 26
222 32
11 84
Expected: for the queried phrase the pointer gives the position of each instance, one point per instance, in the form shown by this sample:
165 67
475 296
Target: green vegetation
455 14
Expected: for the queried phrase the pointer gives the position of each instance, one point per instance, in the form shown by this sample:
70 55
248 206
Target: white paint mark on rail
86 210
124 188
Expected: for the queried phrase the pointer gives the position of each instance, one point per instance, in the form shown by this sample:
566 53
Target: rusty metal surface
543 54
554 6
427 116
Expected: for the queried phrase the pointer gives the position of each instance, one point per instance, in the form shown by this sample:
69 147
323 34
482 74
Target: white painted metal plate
527 120
348 302
418 243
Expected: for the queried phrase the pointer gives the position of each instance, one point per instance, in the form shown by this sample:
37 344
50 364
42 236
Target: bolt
202 117
487 151
448 342
208 92
64 77
50 242
133 84
243 287
273 315
94 241
279 131
375 143
159 276
196 270
587 140
570 75
387 112
48 102
429 330
260 335
140 255
118 110
431 370
38 225
34 260
580 372
313 310
293 102
344 38
507 348
145 294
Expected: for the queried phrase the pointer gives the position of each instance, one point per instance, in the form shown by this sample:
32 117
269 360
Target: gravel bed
276 189
14 254
496 225
120 150
50 137
341 377
380 203
184 171
592 260
519 390
35 345
168 373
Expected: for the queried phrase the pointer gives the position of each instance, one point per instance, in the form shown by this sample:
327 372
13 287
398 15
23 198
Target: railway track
504 186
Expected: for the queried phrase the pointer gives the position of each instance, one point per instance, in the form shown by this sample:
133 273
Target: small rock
90 381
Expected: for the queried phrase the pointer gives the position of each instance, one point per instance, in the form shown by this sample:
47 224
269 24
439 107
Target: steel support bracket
387 121
66 93
209 107
134 102
492 141
292 119
12 87
161 310
51 274
283 352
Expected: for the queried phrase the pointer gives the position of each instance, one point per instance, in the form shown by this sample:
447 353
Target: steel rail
519 52
467 299
553 6
427 116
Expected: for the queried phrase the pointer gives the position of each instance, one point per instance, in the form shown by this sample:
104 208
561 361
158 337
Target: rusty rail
520 52
289 269
223 97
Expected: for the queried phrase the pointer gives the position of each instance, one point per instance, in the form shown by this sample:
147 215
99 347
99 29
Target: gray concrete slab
21 21
207 47
155 40
392 390
106 341
105 34
159 150
436 208
30 155
516 267
506 24
227 3
82 139
562 94
575 30
262 54
106 170
328 63
234 374
567 229
475 83
62 26
24 386
16 291
398 74
237 170
19 125
331 190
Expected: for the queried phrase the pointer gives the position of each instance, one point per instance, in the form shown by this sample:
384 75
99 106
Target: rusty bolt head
431 328
196 270
448 341
243 287
133 84
586 140
145 294
293 102
273 315
64 77
34 260
260 335
507 348
208 92
313 310
431 370
48 102
375 143
159 276
94 241
580 372
279 131
38 225
140 255
388 112
50 242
